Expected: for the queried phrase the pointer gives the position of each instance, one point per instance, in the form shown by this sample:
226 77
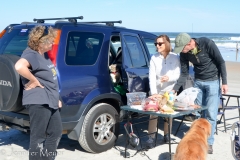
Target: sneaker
150 142
210 149
166 138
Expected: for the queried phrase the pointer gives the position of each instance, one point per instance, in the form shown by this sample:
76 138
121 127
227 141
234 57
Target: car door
135 63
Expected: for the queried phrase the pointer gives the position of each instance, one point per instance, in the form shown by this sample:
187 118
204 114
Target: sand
233 77
14 144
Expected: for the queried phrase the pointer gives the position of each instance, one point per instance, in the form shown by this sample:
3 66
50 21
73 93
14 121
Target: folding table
168 116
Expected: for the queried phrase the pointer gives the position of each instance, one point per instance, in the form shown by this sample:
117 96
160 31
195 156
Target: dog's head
203 124
113 68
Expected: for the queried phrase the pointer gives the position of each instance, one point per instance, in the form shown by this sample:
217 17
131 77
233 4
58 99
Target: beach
14 144
233 76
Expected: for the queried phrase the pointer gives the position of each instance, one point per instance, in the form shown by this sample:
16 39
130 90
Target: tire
10 84
97 116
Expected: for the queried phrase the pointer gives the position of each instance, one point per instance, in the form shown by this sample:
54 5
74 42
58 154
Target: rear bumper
22 122
15 118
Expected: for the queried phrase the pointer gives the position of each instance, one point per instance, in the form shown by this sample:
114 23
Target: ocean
226 42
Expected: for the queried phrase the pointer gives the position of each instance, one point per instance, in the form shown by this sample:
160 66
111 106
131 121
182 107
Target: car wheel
100 128
10 84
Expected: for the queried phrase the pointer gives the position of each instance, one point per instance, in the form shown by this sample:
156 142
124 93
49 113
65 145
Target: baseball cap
180 41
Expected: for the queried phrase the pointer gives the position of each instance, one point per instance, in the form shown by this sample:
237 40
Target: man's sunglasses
159 43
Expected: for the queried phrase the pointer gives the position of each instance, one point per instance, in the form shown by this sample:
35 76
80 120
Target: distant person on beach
164 71
237 46
209 66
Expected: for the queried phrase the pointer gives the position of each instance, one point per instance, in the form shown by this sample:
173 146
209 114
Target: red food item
151 105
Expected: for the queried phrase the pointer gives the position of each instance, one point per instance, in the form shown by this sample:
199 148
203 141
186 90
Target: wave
235 38
218 39
230 45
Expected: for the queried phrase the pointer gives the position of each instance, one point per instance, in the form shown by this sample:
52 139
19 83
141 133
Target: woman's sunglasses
159 43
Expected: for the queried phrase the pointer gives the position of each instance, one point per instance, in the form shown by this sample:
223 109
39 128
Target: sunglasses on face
158 43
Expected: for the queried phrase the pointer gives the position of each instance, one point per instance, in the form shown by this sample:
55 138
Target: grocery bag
187 97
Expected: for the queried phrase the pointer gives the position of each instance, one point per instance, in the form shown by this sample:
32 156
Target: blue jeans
209 96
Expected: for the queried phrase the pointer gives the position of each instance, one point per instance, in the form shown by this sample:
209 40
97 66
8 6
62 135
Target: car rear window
136 51
83 48
14 41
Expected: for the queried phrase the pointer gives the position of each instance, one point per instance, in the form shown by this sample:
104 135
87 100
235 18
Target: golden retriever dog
194 144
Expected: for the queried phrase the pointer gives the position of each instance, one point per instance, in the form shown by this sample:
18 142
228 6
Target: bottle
171 97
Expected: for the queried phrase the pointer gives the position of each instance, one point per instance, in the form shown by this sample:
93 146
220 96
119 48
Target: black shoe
166 138
210 149
150 143
190 118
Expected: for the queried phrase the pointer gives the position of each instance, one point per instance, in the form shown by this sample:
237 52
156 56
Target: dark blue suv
82 53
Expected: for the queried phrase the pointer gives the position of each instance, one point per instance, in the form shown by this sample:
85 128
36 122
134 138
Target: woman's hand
22 67
164 78
32 84
59 104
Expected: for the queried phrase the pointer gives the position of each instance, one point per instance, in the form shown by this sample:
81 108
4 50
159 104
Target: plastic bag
187 97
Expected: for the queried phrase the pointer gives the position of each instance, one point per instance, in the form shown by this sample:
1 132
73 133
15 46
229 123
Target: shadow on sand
22 139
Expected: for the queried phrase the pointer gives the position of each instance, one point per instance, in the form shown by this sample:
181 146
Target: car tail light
52 54
2 33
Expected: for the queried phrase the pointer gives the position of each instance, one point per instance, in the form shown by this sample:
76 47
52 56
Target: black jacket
208 63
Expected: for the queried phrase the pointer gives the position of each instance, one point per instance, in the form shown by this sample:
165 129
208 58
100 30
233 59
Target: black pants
45 132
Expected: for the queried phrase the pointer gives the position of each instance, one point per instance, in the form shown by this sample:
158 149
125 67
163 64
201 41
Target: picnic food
137 102
166 109
151 105
170 98
166 94
159 102
162 102
135 98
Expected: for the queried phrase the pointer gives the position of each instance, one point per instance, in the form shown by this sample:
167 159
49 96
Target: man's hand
224 88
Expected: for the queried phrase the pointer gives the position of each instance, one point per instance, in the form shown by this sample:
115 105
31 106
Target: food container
151 105
136 100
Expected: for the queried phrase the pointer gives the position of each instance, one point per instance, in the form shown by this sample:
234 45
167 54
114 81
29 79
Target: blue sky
211 16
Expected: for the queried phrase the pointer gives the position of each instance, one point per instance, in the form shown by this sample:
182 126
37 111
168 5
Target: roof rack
70 19
26 22
108 23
